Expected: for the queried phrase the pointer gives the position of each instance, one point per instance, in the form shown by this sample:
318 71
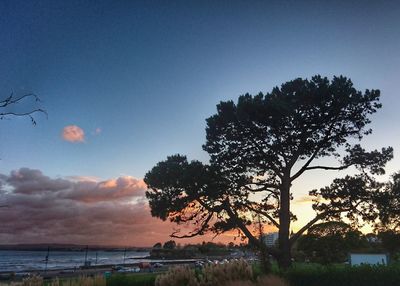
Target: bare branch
261 212
294 237
317 218
328 168
265 188
199 231
11 100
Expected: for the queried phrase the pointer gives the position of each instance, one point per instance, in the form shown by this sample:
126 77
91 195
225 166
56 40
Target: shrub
237 273
365 275
178 276
271 280
142 279
36 280
224 274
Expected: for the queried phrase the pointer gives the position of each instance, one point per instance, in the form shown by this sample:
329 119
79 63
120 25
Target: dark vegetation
331 242
302 275
333 275
147 279
204 250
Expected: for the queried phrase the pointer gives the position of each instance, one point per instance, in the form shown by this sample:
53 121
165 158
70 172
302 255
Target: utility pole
46 259
124 255
86 252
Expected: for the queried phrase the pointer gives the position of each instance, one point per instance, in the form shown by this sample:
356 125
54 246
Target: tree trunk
284 221
264 258
265 263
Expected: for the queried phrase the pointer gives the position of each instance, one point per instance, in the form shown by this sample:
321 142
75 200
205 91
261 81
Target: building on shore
270 239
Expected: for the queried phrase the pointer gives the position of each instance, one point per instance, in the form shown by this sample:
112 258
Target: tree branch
10 100
294 237
317 218
23 114
318 149
199 231
328 168
268 216
262 189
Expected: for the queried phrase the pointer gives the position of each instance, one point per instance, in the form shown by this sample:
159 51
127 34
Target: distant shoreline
70 247
92 270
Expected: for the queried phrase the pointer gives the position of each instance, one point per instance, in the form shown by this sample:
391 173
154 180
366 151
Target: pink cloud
121 188
73 133
80 210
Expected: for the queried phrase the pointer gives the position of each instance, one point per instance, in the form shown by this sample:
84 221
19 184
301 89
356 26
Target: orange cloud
73 133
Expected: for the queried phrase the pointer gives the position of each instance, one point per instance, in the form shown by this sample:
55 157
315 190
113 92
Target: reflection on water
35 260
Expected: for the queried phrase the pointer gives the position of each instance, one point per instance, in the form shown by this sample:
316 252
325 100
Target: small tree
158 245
170 244
260 146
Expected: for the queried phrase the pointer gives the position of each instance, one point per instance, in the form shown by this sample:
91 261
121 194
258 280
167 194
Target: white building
270 239
366 258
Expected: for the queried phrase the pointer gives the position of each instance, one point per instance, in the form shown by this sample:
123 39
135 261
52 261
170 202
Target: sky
127 83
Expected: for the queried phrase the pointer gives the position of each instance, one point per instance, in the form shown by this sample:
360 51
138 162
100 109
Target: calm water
35 260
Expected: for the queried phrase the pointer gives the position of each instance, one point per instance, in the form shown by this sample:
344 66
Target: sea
19 261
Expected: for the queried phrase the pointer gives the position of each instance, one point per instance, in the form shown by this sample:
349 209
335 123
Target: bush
344 275
238 273
271 280
224 274
147 279
178 276
36 280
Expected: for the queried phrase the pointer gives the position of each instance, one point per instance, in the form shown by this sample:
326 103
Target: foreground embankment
238 273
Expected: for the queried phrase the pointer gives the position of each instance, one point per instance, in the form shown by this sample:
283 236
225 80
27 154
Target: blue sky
148 73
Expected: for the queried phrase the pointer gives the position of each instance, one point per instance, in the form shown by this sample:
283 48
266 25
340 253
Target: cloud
80 210
114 189
73 133
28 181
83 189
97 131
308 200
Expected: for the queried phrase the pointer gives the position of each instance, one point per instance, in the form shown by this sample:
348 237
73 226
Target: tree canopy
259 146
388 201
330 242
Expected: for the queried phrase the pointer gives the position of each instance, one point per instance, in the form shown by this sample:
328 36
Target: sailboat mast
86 252
46 259
124 255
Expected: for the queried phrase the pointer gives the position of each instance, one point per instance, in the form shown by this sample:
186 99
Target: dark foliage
170 244
330 242
317 275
